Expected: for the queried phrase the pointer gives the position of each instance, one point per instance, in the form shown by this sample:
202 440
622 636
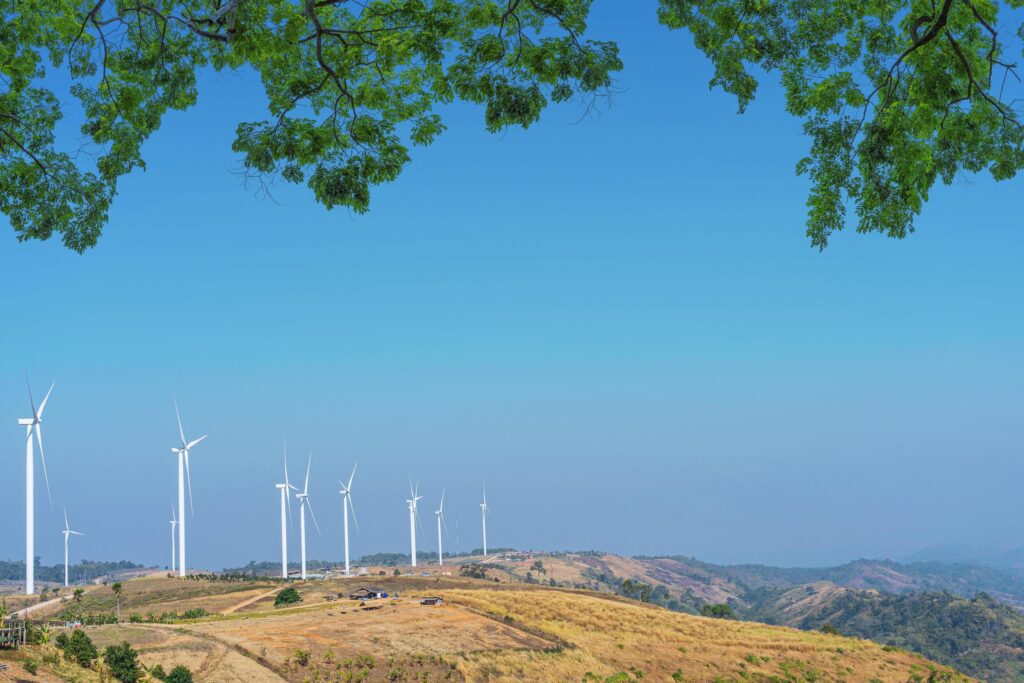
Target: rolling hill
483 631
961 615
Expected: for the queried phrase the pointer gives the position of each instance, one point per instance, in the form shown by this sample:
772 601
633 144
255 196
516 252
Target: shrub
301 657
289 596
31 666
721 611
179 674
79 648
123 662
829 629
157 672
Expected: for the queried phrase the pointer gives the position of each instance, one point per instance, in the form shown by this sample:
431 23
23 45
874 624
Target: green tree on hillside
123 662
179 674
720 611
289 596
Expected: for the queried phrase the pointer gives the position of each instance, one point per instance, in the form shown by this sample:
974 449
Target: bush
157 672
123 662
79 648
721 611
31 666
289 596
830 630
179 674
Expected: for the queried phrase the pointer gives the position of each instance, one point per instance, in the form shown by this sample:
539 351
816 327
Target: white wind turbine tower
484 511
68 533
174 526
346 503
286 509
440 522
414 517
32 425
183 473
303 504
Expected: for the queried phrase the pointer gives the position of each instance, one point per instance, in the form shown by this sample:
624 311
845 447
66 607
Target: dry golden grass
158 594
607 637
487 632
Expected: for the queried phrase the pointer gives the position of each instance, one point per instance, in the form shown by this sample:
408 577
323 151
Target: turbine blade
66 525
76 533
309 464
352 507
31 400
193 443
181 430
42 457
352 476
188 476
441 508
445 525
42 406
311 514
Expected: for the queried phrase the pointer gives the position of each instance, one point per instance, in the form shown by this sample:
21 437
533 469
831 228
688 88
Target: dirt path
25 611
222 648
248 601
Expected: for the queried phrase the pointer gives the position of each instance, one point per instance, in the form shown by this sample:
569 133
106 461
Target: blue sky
617 322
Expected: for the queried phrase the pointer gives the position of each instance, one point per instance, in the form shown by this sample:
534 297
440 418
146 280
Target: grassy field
483 632
609 637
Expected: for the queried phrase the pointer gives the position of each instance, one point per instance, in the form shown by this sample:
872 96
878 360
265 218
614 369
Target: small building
368 594
432 601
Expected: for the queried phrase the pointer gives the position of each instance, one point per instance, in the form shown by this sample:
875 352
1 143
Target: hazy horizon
616 322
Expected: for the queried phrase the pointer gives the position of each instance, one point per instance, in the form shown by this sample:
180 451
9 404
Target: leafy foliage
179 674
894 94
350 87
979 636
123 662
289 596
78 647
719 611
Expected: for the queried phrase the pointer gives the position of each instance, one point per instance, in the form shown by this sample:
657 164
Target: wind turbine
484 511
183 473
174 526
32 426
68 533
286 510
440 522
303 504
346 503
414 517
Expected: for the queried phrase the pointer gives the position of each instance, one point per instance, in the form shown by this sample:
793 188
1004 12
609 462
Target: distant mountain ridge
966 616
962 553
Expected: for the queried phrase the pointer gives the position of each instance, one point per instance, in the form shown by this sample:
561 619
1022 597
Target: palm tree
117 591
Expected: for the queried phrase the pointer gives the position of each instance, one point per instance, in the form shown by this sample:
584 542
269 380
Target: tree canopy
893 94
